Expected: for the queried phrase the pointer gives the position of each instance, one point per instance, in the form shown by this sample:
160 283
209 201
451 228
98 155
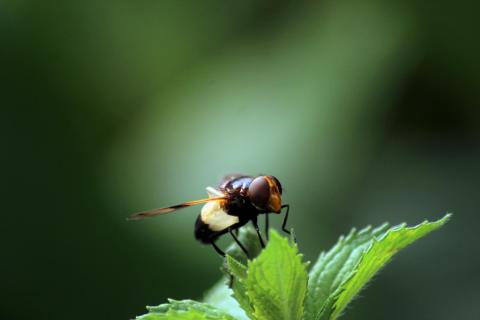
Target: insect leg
266 225
255 224
238 242
219 251
286 218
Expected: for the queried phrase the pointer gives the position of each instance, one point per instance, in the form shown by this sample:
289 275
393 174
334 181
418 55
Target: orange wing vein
160 211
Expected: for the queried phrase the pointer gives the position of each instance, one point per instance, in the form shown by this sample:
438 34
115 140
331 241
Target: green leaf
236 268
334 267
340 274
185 310
239 273
378 254
220 296
274 285
249 239
276 281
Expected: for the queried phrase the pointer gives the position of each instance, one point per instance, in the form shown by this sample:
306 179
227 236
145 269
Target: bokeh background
367 111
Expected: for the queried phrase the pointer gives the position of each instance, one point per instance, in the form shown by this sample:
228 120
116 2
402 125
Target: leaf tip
441 221
447 216
274 233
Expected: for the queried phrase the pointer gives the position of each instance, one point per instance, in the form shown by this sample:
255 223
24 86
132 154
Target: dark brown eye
259 193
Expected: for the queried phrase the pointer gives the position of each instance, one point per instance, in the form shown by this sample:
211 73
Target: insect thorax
239 205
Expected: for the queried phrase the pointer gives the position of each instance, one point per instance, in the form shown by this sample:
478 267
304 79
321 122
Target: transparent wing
214 193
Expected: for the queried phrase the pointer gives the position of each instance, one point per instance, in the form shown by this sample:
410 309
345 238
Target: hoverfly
237 200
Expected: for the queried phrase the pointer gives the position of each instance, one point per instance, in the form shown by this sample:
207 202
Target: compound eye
279 185
259 193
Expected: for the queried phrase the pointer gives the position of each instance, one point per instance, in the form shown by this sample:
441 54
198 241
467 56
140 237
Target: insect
237 200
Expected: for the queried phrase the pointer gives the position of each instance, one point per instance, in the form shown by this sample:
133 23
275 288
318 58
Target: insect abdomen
203 233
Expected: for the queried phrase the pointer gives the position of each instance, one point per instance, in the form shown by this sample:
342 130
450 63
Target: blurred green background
367 111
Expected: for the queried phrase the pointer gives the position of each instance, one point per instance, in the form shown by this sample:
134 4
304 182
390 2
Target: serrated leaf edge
290 241
396 228
342 240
